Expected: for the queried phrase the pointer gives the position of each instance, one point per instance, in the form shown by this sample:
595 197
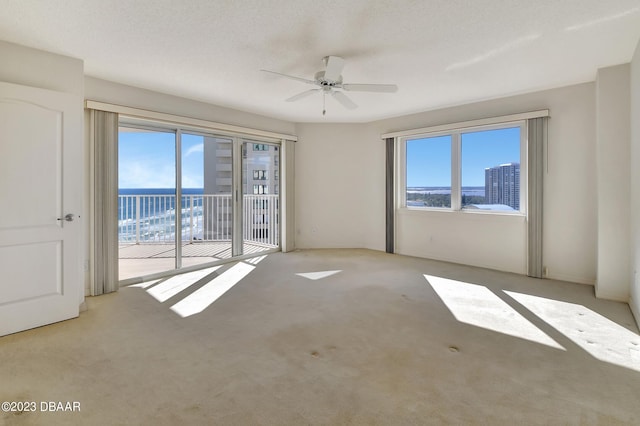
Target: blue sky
429 159
148 160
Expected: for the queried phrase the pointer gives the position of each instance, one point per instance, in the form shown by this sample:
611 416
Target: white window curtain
104 201
536 144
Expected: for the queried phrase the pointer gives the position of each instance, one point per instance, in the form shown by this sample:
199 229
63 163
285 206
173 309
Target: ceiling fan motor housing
319 77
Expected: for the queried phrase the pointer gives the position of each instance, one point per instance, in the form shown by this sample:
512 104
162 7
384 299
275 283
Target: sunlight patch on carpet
143 285
200 299
174 285
477 305
317 275
597 335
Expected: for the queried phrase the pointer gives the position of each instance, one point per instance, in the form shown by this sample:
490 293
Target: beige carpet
363 338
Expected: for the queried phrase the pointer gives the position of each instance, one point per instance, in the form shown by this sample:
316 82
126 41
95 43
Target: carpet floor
331 337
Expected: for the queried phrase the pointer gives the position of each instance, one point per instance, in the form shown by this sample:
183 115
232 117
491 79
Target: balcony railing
152 218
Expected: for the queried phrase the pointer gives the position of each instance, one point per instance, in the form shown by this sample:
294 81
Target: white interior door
40 184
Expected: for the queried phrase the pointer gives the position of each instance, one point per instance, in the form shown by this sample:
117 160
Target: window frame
403 174
456 167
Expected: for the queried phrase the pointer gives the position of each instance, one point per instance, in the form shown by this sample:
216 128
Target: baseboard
572 279
634 312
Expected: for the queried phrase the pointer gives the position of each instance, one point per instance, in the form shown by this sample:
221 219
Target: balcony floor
143 259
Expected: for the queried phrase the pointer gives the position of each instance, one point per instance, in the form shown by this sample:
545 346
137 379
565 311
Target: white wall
634 300
613 179
119 94
570 206
37 68
489 241
340 191
340 184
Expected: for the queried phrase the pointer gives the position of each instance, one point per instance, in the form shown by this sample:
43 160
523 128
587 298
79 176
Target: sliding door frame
237 240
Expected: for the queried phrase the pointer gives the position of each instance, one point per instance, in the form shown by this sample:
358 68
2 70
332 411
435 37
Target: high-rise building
260 183
217 181
260 174
502 185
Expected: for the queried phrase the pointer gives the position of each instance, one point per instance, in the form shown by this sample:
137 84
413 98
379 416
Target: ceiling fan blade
334 68
344 100
301 95
382 88
304 80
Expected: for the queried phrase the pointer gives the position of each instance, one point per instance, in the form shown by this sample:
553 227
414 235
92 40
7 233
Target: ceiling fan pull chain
324 97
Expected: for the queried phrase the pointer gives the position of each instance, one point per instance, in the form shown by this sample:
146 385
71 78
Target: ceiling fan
330 79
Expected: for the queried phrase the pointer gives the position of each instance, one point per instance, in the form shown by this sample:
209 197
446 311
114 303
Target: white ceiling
439 52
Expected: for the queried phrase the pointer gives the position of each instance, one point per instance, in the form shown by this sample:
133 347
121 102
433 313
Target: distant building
217 180
260 176
261 181
502 185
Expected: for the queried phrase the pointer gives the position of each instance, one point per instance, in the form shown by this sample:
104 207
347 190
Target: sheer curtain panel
104 201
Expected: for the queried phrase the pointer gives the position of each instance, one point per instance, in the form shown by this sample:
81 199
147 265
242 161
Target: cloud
194 149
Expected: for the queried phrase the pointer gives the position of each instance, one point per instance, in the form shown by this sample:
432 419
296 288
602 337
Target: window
490 166
260 189
429 172
260 147
472 169
260 175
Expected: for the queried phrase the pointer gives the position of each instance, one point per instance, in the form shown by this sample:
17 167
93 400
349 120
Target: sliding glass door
146 201
260 188
207 209
189 199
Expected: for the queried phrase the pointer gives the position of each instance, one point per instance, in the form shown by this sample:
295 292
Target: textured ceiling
439 52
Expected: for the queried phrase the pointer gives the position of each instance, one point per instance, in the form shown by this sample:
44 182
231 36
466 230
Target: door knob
69 217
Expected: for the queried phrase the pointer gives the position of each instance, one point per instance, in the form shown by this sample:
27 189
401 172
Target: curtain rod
188 121
470 123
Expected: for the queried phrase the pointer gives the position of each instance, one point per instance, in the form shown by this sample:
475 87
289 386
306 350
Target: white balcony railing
152 218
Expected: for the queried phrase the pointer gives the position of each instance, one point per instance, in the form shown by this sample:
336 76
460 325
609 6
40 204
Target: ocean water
157 211
162 199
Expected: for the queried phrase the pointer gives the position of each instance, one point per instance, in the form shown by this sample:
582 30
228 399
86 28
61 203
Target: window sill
466 212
